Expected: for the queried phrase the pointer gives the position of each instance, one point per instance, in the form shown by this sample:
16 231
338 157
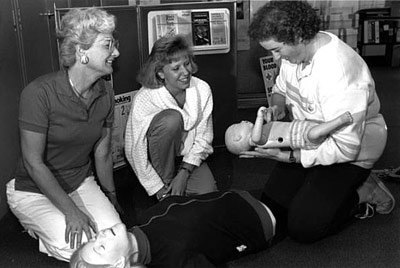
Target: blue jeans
165 137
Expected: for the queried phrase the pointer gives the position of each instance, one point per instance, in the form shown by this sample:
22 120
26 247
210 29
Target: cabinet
378 33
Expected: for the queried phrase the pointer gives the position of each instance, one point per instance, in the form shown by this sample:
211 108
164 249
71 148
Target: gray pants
164 138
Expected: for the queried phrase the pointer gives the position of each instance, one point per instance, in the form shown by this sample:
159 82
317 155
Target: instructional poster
201 28
206 29
269 70
123 104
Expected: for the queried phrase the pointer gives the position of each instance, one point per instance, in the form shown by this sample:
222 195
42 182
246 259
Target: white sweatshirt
197 118
337 80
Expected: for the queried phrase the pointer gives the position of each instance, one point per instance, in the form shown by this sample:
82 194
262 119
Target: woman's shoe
380 196
392 174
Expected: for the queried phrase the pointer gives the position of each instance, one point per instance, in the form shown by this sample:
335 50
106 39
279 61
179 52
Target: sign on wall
207 29
123 103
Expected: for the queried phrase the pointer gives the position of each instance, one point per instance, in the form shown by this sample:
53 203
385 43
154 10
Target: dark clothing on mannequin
205 230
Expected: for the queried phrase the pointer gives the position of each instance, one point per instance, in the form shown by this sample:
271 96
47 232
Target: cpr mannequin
298 134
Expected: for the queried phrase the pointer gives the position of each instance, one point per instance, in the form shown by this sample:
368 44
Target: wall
10 86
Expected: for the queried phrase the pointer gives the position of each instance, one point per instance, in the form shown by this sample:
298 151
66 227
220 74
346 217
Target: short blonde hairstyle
81 26
164 51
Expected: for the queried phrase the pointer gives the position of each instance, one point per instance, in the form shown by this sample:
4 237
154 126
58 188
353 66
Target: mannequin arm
257 136
318 133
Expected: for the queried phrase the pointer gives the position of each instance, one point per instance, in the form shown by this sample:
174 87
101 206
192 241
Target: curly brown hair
285 21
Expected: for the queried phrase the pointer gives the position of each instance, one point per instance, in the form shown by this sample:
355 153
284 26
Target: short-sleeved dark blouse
48 105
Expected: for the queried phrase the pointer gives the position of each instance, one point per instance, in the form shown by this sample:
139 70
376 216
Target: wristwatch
164 195
292 159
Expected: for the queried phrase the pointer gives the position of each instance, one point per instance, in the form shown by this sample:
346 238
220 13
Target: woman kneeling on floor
64 117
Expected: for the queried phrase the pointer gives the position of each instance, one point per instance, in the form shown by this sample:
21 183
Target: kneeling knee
306 229
170 120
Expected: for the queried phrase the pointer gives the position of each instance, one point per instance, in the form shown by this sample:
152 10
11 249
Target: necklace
75 90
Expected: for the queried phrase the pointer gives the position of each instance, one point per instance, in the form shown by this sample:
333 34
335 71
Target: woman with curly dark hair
315 192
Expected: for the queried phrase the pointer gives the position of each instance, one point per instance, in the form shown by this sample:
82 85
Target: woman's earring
84 59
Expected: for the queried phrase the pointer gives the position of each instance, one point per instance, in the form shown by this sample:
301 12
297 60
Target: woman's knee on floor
307 225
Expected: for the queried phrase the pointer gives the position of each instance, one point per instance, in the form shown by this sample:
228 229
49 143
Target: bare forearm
104 171
277 108
50 187
278 100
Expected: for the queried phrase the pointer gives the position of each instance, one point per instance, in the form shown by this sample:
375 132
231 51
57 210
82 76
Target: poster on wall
123 104
206 29
269 70
201 28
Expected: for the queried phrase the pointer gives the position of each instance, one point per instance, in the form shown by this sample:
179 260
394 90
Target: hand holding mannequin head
238 137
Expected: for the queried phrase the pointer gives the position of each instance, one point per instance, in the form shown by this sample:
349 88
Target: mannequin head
238 137
112 247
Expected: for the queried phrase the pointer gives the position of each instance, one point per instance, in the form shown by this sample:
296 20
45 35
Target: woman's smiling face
102 54
177 74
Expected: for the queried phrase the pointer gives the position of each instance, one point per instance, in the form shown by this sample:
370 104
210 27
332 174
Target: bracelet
162 196
165 194
110 192
187 169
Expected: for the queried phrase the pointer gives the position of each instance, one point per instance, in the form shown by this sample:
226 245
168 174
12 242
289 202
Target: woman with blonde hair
65 117
169 132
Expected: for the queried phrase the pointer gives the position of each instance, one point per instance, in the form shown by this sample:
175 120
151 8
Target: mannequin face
237 137
110 246
295 54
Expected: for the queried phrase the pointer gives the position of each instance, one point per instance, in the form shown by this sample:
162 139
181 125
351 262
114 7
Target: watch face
292 159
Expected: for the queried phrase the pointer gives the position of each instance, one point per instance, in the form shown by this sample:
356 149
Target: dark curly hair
285 21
